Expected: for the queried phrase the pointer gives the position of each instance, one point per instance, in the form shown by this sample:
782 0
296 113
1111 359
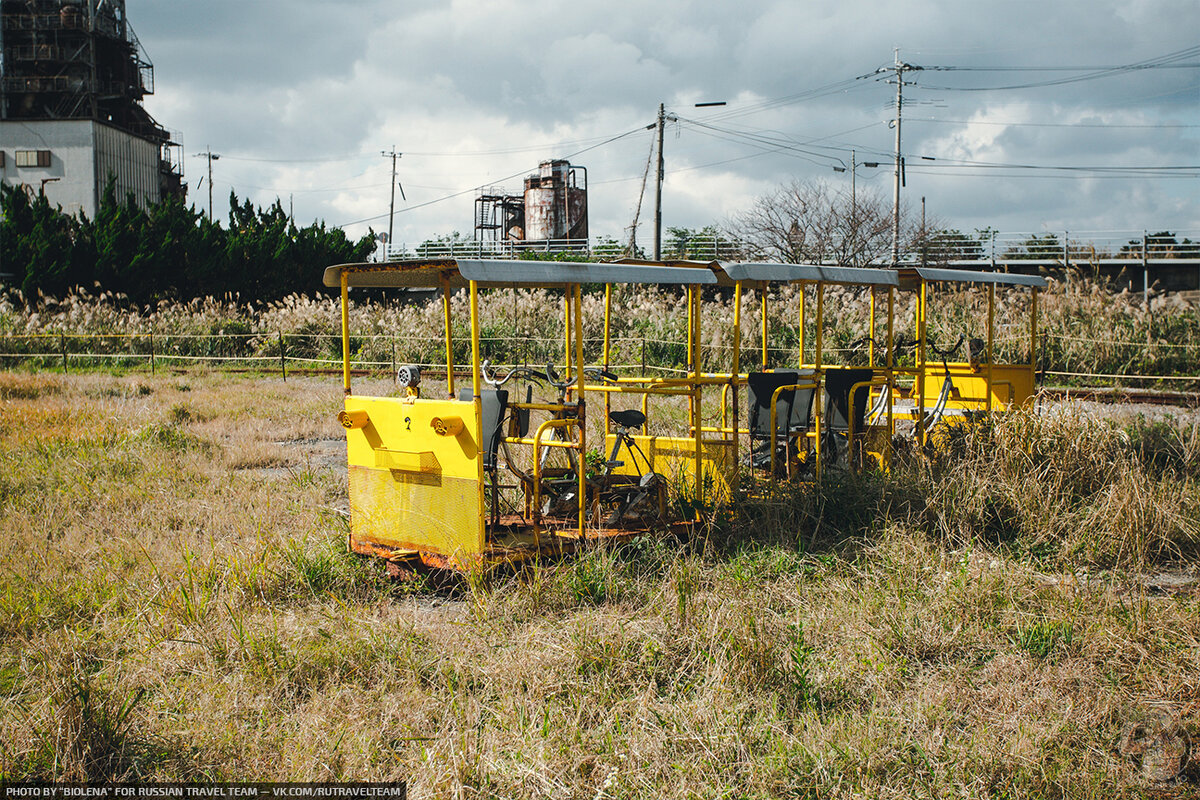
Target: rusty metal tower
79 59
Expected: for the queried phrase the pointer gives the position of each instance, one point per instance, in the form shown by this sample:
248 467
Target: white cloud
300 98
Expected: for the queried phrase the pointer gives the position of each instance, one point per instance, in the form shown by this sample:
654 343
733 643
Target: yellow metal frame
416 463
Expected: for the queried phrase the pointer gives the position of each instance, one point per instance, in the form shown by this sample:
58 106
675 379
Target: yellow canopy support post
697 388
476 371
922 367
737 366
607 346
449 337
800 360
1033 314
582 415
891 369
567 335
476 381
763 291
871 334
991 340
345 332
817 370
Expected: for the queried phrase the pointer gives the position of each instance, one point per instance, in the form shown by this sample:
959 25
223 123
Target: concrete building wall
133 162
82 155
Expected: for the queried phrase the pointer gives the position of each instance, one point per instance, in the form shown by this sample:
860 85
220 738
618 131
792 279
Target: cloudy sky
300 97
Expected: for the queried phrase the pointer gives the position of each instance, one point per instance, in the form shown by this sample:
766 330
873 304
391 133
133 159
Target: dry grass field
1016 616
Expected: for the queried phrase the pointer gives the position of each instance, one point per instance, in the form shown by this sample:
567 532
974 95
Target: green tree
1045 246
40 246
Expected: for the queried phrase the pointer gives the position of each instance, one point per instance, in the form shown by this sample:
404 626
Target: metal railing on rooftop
995 248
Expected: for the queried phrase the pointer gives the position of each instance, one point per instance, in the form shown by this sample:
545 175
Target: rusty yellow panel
414 479
674 458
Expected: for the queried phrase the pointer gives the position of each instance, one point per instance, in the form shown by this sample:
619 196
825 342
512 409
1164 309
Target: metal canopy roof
973 276
432 273
864 276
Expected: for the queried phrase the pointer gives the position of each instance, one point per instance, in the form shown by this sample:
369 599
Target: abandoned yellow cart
467 475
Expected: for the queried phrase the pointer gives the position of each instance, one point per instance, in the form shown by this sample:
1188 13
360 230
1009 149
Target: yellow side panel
410 487
1010 383
674 458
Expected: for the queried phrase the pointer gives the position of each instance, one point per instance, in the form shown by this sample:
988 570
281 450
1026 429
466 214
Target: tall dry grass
170 609
1085 327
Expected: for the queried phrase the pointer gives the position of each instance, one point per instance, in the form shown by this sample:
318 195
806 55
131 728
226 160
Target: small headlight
409 376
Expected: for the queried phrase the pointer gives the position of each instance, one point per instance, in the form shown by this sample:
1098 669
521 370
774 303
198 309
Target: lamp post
853 170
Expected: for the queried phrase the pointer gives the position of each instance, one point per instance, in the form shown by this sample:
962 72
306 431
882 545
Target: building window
33 158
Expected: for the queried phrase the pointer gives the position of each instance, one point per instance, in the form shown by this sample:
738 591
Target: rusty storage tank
556 202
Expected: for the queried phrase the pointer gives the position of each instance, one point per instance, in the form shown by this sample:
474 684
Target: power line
1167 61
489 183
1049 124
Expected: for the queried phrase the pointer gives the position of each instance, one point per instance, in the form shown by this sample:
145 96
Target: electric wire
472 189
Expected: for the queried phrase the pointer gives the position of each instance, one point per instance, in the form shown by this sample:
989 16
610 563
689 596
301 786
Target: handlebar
515 372
550 376
949 351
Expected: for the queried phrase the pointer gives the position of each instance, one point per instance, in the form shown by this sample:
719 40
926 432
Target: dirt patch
306 454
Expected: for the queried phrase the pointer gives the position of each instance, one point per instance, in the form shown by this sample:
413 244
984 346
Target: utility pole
899 68
392 206
211 156
658 187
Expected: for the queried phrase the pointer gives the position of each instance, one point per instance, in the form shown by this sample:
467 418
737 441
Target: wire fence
281 352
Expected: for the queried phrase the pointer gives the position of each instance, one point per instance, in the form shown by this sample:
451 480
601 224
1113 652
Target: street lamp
854 165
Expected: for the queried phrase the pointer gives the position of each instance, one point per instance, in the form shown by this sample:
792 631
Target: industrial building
72 79
552 212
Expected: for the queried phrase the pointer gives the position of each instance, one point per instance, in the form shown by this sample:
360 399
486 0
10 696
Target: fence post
282 358
62 342
643 355
393 358
1067 249
151 352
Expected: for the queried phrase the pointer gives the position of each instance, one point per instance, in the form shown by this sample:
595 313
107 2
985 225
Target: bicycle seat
630 418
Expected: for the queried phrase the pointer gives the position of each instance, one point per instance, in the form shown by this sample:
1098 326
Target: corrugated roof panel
864 276
430 274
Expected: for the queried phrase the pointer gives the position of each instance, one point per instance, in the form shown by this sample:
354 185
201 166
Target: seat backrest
494 402
802 405
838 383
791 411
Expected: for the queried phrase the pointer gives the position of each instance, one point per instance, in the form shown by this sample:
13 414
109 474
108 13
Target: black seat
629 418
494 403
793 410
838 383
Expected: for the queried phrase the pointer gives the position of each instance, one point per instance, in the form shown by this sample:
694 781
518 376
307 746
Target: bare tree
812 222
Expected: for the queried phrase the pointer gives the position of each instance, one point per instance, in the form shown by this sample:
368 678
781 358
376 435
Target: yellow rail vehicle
488 473
467 478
